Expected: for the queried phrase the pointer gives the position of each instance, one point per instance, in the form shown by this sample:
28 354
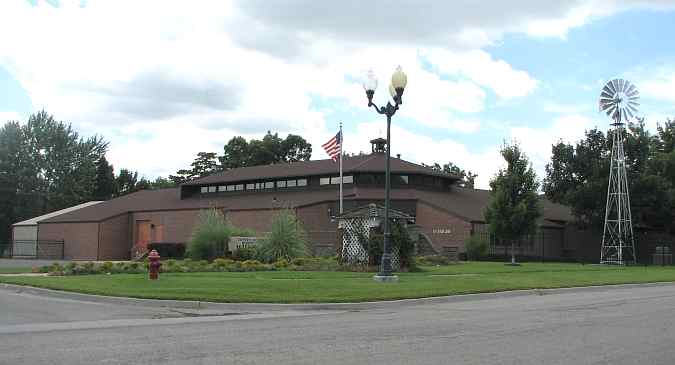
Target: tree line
45 165
578 175
238 152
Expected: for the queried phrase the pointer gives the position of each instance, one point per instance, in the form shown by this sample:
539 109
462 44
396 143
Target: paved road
608 326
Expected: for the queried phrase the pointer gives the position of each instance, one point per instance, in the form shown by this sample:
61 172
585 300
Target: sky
163 80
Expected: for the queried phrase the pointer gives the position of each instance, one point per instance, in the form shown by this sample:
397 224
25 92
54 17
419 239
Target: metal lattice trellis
356 228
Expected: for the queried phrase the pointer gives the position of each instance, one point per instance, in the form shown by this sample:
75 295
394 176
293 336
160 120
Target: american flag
334 146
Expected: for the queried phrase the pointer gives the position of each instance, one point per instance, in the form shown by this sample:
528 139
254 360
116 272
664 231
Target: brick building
445 213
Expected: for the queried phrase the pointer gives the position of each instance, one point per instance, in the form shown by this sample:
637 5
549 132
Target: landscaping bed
285 286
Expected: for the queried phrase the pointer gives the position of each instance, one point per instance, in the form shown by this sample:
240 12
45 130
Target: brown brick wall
430 219
321 232
80 239
114 241
258 220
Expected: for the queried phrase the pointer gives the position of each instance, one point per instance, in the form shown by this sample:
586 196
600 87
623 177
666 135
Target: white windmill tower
619 99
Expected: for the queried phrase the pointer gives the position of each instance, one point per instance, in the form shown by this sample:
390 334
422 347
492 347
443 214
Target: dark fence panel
5 250
43 249
654 248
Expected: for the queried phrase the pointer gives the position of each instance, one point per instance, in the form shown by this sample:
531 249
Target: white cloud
553 107
7 116
660 86
481 68
424 149
168 80
537 142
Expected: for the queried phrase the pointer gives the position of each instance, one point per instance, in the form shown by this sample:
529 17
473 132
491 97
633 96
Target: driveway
596 326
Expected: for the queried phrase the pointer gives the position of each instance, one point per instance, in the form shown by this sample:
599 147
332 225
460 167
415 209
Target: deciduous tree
513 209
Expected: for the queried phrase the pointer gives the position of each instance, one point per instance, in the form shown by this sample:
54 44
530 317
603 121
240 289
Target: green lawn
297 287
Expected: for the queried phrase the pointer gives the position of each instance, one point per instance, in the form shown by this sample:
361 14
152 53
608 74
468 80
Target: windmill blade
610 86
621 83
630 113
631 90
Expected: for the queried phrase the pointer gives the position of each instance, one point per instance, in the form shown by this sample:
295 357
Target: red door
143 234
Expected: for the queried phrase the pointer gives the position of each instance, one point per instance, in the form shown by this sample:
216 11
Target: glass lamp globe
399 80
370 82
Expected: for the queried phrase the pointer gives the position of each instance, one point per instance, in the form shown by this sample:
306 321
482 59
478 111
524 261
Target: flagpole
341 144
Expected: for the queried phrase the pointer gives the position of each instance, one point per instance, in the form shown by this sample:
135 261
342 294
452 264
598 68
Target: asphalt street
598 326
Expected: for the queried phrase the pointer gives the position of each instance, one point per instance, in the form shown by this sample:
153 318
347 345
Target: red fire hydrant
154 264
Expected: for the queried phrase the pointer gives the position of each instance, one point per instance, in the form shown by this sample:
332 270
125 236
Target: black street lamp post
396 88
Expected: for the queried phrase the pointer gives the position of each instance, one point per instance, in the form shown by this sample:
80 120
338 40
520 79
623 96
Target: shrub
107 267
286 240
244 253
209 237
221 264
87 268
170 265
400 239
251 265
281 264
119 267
57 269
476 247
314 264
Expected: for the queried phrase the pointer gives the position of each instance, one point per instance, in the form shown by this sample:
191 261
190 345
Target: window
250 186
259 185
404 178
302 182
212 189
281 184
222 188
230 188
239 187
269 185
345 179
205 189
292 183
324 181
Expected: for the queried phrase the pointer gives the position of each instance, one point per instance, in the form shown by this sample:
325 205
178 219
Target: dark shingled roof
373 210
366 163
468 204
169 199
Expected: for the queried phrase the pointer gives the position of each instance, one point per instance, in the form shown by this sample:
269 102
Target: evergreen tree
105 180
513 209
468 178
125 182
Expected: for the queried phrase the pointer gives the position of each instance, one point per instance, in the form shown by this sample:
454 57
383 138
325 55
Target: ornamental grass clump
209 237
286 239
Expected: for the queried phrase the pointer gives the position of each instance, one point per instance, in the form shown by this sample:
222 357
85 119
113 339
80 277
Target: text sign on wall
241 242
441 231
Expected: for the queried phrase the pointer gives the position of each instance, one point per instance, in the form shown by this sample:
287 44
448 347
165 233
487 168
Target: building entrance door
143 234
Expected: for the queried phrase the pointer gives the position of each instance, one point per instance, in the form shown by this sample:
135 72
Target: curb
257 307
